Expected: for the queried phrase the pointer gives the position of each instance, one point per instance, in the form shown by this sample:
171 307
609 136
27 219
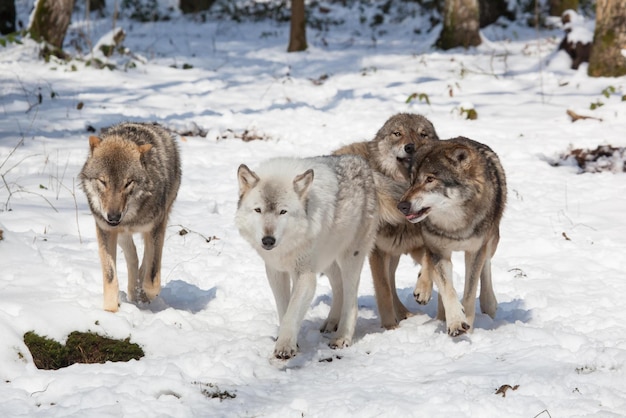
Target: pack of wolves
406 191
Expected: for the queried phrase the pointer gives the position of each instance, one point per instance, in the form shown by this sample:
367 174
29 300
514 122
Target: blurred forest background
458 21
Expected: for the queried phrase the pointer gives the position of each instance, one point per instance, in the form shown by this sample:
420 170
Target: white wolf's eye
282 212
102 182
257 210
429 179
397 133
129 183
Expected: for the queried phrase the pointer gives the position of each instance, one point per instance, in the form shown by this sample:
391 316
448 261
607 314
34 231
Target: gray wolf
458 195
391 154
131 178
308 216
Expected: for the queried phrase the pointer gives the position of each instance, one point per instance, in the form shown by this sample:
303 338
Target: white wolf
309 216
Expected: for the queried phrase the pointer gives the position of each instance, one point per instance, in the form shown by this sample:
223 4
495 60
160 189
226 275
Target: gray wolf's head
398 142
272 208
444 178
112 178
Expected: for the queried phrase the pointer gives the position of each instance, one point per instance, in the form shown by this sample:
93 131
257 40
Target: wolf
308 216
458 195
131 179
391 154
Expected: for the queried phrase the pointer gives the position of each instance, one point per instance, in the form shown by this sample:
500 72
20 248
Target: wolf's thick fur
131 179
391 154
458 195
308 216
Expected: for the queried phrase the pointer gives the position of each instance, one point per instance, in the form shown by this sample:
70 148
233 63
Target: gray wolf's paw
459 328
423 292
390 325
330 325
340 342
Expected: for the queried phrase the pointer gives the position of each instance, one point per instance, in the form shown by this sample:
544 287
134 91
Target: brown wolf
131 179
458 195
390 154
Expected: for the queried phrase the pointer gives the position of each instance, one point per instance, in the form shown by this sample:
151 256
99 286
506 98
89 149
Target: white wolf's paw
423 291
285 351
458 328
330 325
341 342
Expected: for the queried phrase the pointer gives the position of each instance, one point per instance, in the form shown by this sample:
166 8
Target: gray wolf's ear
302 182
247 179
144 148
94 142
461 156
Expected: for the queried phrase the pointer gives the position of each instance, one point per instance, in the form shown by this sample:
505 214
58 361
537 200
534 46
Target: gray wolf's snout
404 207
409 149
114 218
268 242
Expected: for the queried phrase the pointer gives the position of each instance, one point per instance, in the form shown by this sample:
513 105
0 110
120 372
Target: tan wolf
131 179
304 217
458 195
390 154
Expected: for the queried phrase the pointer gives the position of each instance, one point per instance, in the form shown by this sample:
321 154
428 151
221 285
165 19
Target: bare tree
297 34
609 39
51 20
460 24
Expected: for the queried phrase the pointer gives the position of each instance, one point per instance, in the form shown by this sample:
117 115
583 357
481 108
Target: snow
560 328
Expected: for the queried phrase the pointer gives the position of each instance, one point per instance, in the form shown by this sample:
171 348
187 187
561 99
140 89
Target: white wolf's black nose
409 149
404 207
268 242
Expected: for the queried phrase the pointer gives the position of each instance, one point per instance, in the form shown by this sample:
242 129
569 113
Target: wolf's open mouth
406 160
418 216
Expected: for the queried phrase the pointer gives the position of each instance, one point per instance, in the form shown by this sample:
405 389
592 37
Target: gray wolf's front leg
441 274
107 248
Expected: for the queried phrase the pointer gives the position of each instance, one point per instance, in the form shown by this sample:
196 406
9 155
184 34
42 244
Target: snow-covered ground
559 274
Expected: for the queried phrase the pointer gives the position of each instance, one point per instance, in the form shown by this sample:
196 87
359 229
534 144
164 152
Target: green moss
81 347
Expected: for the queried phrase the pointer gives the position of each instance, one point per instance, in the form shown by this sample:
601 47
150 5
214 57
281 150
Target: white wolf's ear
247 179
461 156
302 182
94 141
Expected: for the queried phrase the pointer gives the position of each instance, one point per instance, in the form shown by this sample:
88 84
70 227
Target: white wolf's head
271 211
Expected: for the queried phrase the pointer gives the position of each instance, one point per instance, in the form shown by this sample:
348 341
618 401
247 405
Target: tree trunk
460 24
557 7
195 6
609 39
297 34
51 20
491 10
7 16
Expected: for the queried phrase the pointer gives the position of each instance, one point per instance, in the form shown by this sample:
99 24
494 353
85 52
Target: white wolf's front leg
281 288
301 297
334 316
351 267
